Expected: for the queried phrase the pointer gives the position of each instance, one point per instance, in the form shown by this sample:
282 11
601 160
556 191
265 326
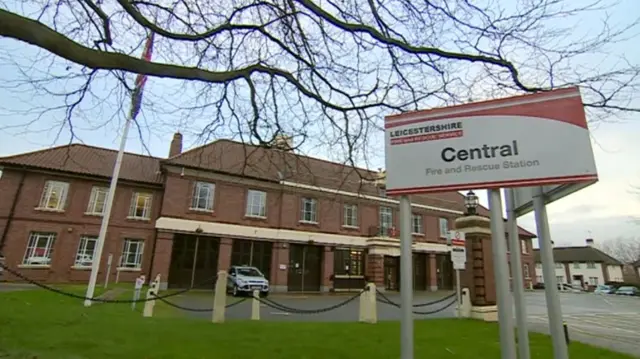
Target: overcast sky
602 211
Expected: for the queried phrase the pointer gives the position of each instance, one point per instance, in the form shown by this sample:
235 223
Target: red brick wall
71 224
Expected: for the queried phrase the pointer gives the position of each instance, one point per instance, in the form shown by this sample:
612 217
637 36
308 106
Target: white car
245 279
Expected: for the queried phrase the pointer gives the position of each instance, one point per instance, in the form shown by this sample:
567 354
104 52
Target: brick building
308 224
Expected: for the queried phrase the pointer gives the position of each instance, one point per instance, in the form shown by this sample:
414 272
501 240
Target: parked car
245 279
628 290
604 289
538 285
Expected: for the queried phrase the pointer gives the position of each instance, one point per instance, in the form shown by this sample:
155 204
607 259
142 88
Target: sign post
537 140
406 280
459 259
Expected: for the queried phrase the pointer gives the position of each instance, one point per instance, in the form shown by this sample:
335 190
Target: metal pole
459 294
518 281
501 271
106 216
554 310
406 275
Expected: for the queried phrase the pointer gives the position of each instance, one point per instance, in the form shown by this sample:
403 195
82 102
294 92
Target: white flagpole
97 257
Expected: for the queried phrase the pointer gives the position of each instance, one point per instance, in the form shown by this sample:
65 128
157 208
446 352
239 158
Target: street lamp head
471 203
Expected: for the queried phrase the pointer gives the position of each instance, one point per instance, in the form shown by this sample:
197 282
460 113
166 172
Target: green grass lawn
38 324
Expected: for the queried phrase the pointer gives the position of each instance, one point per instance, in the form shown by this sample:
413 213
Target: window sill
347 276
34 266
249 216
52 210
200 210
138 219
418 234
80 268
309 223
93 214
350 227
127 269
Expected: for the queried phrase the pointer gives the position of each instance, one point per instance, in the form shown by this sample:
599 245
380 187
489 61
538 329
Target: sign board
532 140
458 249
523 196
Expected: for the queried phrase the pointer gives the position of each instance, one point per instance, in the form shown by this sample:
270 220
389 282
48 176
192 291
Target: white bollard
147 312
465 309
362 308
157 282
220 297
368 309
255 306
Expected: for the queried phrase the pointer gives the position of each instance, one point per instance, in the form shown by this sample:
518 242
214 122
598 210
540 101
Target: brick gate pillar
327 269
162 258
375 270
478 275
279 267
433 272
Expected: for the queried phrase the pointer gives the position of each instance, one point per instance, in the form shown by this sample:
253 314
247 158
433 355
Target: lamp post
471 203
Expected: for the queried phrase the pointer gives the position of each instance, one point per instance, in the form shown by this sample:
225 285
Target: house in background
582 265
636 268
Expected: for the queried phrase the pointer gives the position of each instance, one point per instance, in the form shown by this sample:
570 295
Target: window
525 269
416 224
539 265
591 265
84 257
576 265
140 205
444 227
523 246
539 279
350 215
132 254
309 210
203 194
348 261
39 249
256 203
386 220
54 195
560 279
593 280
98 200
559 266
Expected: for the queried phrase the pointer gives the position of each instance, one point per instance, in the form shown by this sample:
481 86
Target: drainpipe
3 239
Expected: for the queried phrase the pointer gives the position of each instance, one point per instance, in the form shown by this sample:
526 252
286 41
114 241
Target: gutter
3 239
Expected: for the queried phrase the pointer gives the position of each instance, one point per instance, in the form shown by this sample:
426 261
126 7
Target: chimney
176 145
283 142
589 242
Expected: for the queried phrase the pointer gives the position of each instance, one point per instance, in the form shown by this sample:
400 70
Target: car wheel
234 291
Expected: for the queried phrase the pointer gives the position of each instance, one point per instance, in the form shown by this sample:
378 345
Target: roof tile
579 254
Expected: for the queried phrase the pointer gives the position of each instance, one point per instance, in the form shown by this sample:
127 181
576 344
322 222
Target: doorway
444 270
252 253
194 260
391 273
420 268
305 263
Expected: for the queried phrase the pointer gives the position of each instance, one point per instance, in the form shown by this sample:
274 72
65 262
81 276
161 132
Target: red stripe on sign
494 184
563 105
457 242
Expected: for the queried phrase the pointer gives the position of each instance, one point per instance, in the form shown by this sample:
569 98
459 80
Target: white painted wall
615 273
560 272
587 273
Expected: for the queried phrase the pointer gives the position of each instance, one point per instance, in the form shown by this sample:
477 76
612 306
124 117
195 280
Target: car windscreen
249 272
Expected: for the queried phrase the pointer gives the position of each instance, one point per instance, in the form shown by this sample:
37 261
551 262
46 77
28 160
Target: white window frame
525 269
593 281
385 220
200 202
523 247
591 265
32 247
559 265
125 263
311 215
417 227
146 209
256 203
96 193
350 215
443 224
576 265
48 190
82 251
560 279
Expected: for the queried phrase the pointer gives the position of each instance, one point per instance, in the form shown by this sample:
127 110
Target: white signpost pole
518 281
501 271
406 280
554 310
459 258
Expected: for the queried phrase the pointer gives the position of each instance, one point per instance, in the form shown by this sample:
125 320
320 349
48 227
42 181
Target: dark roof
636 263
274 165
579 254
88 160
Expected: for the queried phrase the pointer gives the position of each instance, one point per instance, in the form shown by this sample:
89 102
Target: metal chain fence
384 299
